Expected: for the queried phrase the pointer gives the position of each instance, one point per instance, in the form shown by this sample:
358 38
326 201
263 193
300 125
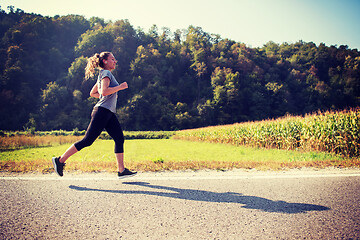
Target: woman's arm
106 90
94 91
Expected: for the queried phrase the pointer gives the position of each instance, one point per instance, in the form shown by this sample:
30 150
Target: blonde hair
94 62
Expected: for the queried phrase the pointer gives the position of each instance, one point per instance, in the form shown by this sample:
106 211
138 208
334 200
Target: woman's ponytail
94 62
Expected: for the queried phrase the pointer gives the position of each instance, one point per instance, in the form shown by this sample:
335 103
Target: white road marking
161 177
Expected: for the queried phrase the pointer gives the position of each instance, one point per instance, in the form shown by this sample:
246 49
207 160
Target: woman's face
110 63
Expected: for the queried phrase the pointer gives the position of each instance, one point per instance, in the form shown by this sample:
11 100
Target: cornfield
334 132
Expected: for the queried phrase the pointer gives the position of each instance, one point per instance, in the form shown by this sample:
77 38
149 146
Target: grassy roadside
169 154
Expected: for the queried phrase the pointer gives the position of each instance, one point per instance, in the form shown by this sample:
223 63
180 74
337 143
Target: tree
53 111
189 78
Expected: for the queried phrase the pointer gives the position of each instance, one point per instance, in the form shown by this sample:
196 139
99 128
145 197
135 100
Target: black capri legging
102 118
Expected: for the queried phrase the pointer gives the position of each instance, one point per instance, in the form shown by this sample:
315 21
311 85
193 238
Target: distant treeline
183 79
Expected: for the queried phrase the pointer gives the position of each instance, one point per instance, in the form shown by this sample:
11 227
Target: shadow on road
250 202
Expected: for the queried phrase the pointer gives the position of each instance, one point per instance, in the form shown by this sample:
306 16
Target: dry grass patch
25 141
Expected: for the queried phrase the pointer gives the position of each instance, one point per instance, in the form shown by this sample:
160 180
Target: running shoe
58 166
126 173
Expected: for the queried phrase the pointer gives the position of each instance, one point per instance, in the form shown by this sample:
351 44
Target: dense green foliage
334 132
177 80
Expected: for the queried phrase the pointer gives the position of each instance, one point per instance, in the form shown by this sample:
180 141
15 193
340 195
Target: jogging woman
103 115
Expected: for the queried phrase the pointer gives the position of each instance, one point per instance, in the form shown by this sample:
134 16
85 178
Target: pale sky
253 22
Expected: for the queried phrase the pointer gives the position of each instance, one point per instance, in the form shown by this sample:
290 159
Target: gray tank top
109 101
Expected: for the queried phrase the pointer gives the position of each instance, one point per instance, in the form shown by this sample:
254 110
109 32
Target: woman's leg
113 127
120 161
99 117
68 153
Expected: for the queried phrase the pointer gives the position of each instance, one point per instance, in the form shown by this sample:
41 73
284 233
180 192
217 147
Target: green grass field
168 154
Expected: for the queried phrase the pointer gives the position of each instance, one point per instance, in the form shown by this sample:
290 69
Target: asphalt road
182 205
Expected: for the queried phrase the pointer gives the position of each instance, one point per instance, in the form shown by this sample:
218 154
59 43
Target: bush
142 135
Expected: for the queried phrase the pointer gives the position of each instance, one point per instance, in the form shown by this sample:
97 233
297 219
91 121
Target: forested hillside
183 79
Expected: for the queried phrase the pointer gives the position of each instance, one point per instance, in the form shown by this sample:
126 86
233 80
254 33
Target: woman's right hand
124 85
